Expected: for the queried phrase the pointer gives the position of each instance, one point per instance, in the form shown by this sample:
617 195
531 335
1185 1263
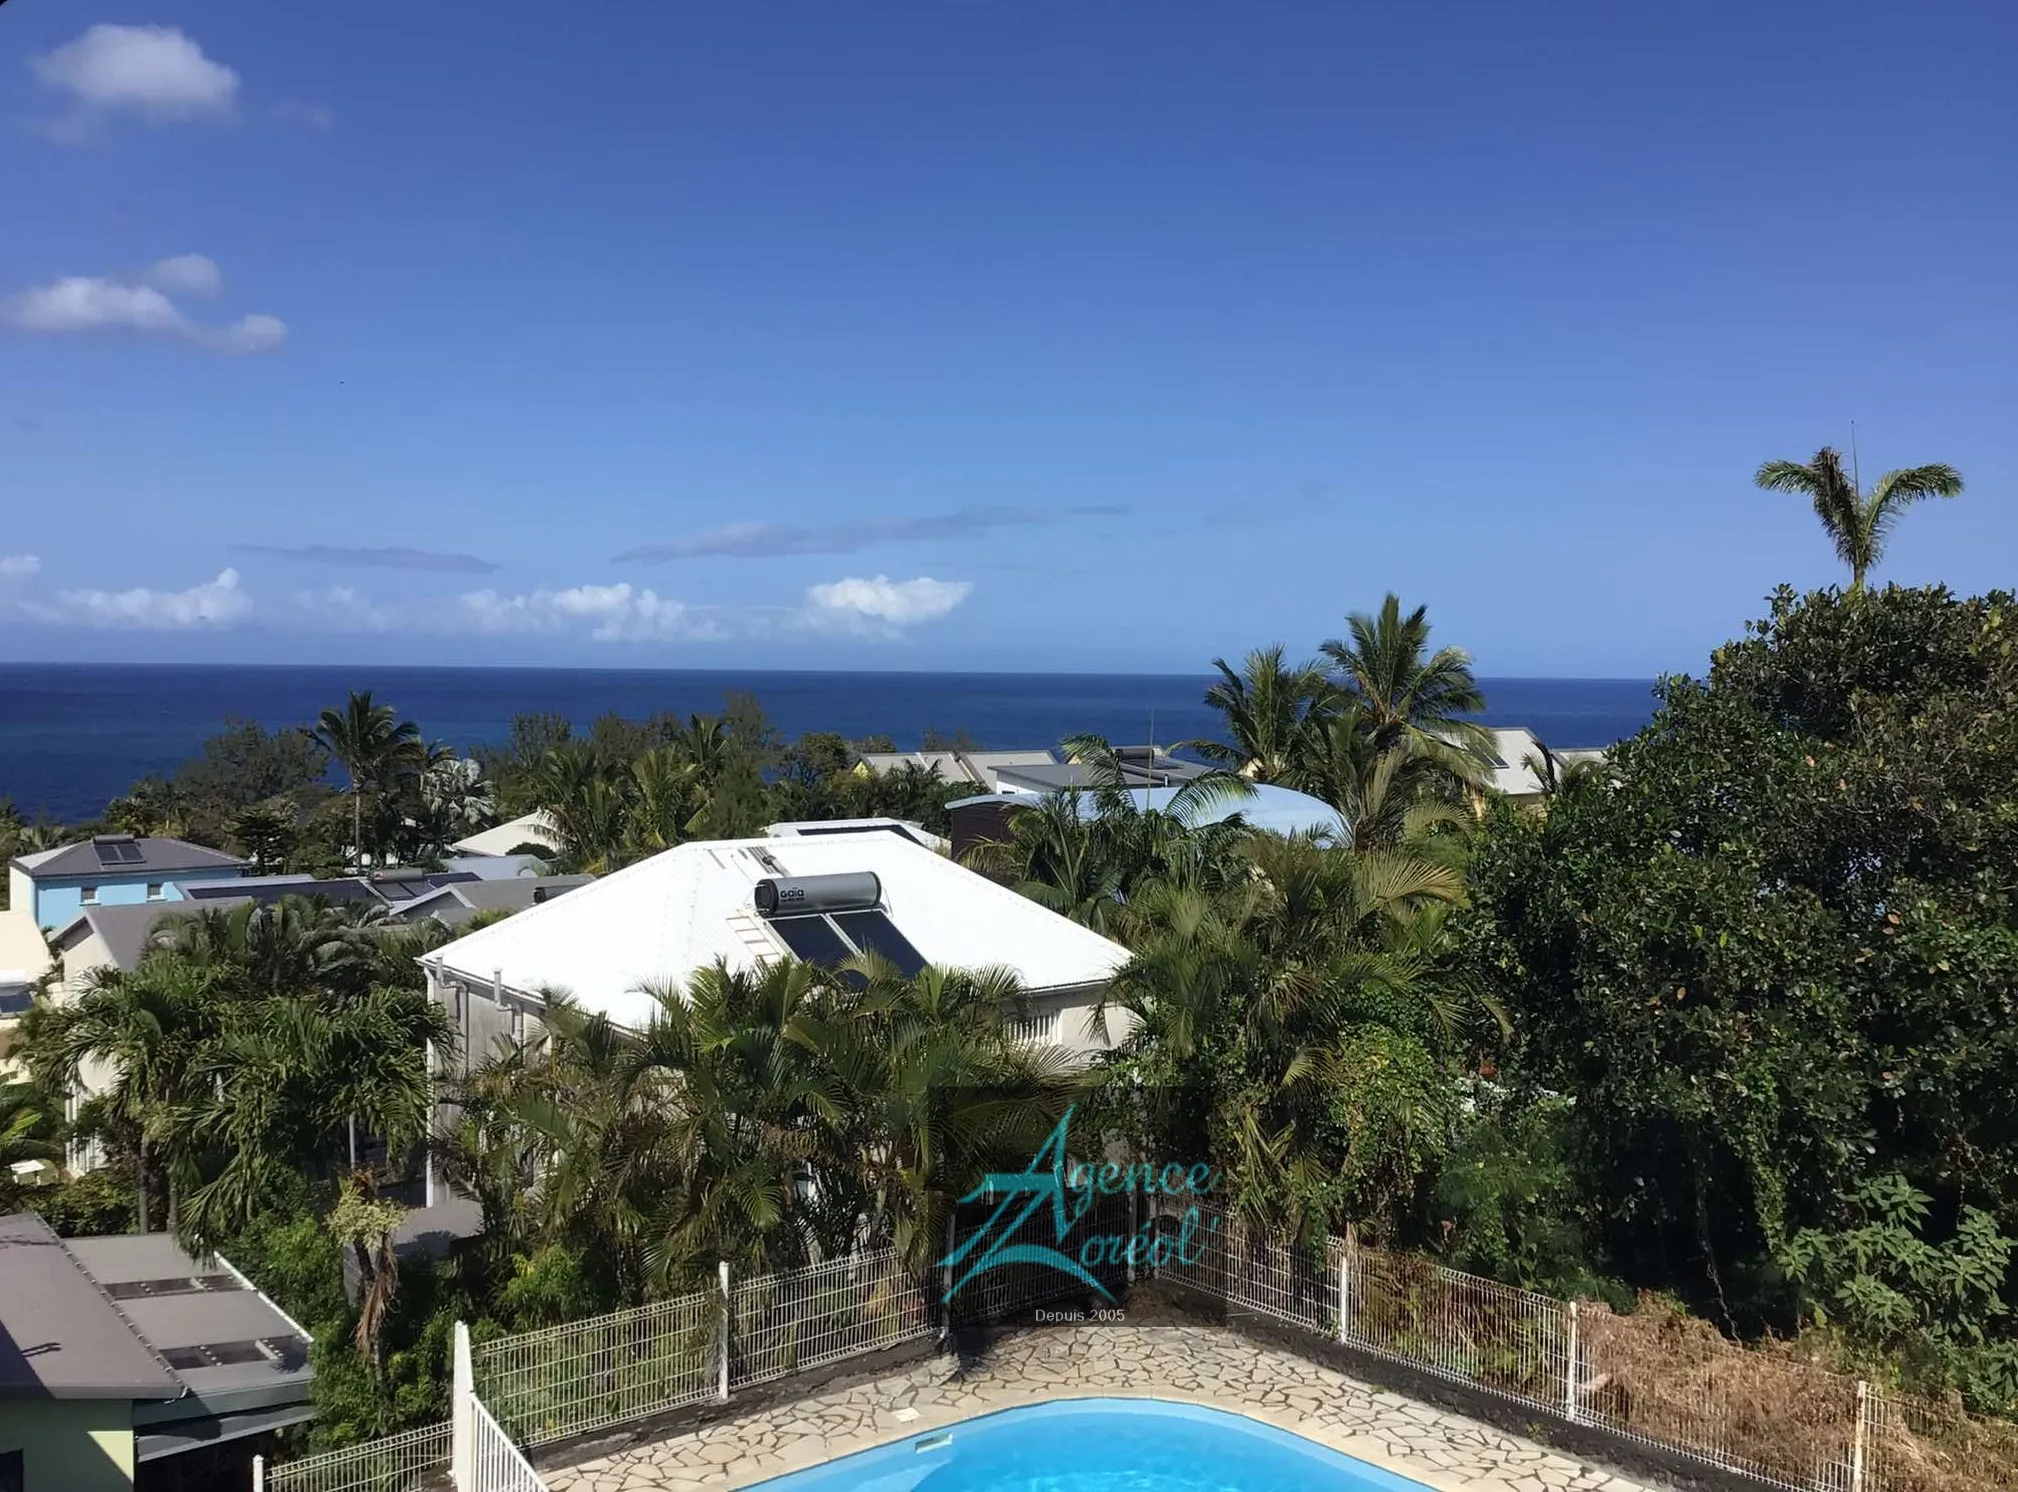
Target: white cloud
186 274
86 303
612 613
155 71
216 603
894 603
19 566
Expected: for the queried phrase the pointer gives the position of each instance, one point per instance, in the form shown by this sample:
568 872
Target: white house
663 919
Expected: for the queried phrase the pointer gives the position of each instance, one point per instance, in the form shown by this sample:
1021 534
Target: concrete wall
71 1445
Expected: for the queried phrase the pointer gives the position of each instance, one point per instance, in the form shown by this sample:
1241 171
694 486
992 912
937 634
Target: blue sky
1039 335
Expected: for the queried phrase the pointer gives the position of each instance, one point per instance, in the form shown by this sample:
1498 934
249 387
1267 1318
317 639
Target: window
154 890
13 1471
1036 1027
89 896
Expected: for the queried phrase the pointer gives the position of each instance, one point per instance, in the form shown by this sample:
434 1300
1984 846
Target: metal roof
124 855
61 1336
124 930
663 918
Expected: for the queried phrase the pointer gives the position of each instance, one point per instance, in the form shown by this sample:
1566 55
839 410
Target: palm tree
376 748
24 1137
150 1027
1405 697
1857 523
936 1093
1267 707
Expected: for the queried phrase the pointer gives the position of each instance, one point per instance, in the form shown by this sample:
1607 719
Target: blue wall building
111 870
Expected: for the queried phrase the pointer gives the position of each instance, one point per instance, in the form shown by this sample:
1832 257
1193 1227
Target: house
531 828
1519 759
456 902
24 960
111 870
986 817
976 767
117 1352
663 919
1036 771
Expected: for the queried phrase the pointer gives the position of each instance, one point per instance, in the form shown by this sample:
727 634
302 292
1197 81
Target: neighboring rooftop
531 828
61 1336
454 904
662 919
1266 806
977 767
124 930
126 855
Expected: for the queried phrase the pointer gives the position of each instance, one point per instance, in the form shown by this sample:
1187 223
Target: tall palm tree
1857 523
1409 695
1267 707
376 748
936 1091
150 1027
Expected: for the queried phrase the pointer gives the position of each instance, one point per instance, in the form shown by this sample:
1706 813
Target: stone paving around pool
1190 1364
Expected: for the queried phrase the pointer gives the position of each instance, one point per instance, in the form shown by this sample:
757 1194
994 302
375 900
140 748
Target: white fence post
462 1396
1570 1373
259 1474
1860 1436
1347 1257
722 1388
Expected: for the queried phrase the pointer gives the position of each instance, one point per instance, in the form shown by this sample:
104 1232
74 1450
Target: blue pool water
1098 1445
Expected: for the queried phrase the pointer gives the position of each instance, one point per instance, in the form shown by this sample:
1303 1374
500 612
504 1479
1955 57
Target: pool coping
1321 1405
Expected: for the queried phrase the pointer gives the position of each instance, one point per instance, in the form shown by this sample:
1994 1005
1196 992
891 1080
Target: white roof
1514 745
530 828
667 917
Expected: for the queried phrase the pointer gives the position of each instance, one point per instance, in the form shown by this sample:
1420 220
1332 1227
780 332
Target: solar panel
117 852
812 939
873 932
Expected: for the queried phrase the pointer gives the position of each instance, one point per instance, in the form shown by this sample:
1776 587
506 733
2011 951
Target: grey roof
456 903
176 1316
124 930
61 1336
155 857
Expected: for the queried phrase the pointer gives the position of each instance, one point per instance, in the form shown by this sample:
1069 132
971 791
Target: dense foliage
1772 959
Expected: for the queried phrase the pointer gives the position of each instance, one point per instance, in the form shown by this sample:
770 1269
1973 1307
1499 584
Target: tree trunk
141 1173
353 1142
357 825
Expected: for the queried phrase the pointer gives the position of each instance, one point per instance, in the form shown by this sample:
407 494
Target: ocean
73 737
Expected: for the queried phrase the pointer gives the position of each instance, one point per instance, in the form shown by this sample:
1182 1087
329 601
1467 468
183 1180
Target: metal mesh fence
410 1461
589 1375
1910 1445
1493 1336
787 1323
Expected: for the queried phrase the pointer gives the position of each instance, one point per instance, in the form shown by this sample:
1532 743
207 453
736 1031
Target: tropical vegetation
1725 1021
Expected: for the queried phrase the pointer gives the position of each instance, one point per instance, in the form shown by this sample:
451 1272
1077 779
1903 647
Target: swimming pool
1098 1445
